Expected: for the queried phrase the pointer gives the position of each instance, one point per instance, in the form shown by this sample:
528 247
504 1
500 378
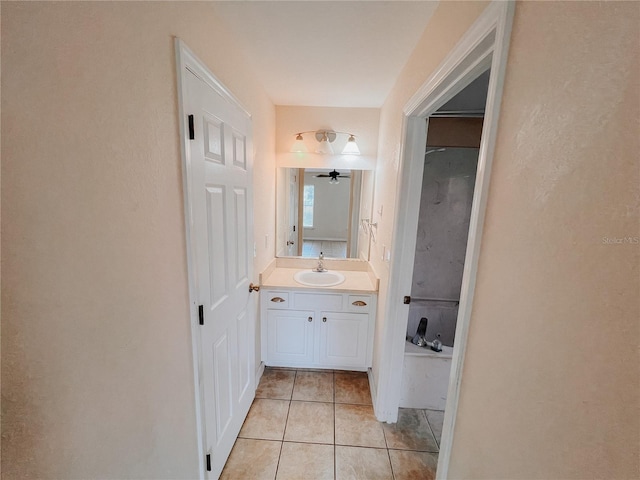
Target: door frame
484 45
187 60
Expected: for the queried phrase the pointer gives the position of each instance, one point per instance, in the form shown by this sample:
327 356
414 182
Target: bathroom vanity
318 326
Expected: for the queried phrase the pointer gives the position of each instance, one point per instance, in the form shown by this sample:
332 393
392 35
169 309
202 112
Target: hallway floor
312 424
330 249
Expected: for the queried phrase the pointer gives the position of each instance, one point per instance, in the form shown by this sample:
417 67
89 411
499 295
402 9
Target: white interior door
292 204
219 184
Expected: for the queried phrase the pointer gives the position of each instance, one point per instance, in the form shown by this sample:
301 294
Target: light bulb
351 148
325 147
299 146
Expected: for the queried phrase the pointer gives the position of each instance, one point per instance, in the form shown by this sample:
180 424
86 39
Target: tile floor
312 424
312 248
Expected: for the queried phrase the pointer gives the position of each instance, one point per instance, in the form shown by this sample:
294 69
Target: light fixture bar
325 138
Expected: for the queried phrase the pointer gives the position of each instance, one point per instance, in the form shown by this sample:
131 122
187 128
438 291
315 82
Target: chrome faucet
320 267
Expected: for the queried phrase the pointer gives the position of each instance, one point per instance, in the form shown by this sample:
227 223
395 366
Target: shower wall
443 226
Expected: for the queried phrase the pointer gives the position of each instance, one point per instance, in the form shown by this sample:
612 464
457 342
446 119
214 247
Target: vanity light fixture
298 145
325 138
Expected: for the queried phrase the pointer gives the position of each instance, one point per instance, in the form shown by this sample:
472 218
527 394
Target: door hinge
407 300
294 228
201 314
208 462
192 130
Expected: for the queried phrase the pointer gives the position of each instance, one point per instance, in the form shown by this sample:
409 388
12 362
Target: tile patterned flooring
319 424
330 249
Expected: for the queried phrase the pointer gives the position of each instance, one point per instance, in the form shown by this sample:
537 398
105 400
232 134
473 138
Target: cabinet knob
277 299
324 319
310 319
359 303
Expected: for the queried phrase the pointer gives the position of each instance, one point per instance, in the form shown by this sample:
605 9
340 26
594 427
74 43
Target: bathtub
425 377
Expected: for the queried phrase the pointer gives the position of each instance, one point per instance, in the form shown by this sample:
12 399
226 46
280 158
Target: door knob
290 243
254 288
310 319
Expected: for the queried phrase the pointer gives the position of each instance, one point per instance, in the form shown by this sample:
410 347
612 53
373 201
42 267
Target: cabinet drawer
359 303
318 301
279 300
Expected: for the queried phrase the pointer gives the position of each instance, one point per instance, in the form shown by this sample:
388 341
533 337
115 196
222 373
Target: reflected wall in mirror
324 210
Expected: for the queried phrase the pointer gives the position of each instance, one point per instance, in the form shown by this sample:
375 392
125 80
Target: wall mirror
324 210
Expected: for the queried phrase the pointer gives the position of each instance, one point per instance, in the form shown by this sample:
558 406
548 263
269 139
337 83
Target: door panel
244 367
239 150
240 203
216 220
222 386
220 193
293 246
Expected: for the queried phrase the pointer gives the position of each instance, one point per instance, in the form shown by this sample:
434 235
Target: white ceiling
327 53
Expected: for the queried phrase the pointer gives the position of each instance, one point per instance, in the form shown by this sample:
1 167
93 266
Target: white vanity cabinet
317 329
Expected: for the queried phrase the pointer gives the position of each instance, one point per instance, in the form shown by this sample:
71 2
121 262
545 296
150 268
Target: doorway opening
450 169
483 47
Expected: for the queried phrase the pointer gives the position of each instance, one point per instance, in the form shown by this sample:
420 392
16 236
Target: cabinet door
290 337
343 339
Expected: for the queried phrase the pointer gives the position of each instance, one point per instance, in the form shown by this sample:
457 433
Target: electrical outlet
266 241
387 255
384 252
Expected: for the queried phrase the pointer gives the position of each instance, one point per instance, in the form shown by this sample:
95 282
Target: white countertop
355 281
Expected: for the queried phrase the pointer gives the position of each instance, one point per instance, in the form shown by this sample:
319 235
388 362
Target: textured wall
96 370
550 387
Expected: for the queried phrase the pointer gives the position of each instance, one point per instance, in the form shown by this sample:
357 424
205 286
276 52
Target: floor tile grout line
429 422
386 444
278 464
411 450
393 474
307 443
424 412
335 460
289 409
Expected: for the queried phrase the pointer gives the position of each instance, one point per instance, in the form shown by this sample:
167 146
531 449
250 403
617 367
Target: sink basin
318 279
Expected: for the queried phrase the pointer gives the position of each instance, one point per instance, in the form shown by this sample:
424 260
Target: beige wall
550 385
559 397
96 370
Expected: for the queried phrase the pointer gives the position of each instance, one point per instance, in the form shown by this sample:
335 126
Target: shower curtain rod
459 113
448 300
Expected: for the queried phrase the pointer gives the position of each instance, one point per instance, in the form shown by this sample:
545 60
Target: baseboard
259 373
373 389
